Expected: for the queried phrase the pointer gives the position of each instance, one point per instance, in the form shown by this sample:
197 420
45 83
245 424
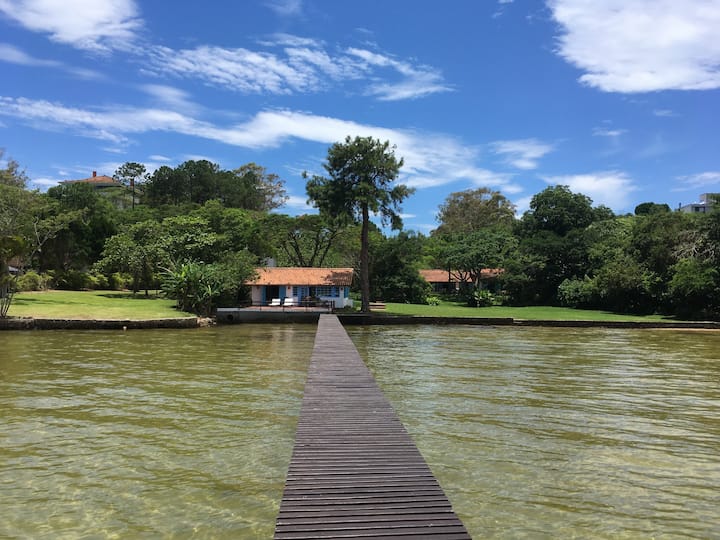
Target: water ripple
547 433
149 433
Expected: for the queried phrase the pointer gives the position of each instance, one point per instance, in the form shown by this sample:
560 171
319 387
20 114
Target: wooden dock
355 472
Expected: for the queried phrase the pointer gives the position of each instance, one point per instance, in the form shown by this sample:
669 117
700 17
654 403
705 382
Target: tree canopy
361 173
474 209
197 231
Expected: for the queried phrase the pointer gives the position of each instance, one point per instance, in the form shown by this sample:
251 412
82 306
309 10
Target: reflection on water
148 433
561 433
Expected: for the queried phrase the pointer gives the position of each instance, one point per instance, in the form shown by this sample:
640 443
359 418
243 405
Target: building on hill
301 286
119 194
705 205
97 182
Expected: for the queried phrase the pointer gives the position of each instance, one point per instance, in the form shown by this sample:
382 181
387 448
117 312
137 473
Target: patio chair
289 302
275 302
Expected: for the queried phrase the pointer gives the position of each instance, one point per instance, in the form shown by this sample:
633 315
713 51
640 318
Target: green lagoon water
533 433
148 434
562 433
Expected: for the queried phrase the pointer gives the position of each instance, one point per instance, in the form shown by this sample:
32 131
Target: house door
272 291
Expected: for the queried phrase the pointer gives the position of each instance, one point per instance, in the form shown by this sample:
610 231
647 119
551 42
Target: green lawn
93 305
124 305
451 309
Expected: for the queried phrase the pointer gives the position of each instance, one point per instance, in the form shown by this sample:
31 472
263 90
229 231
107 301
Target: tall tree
253 188
554 242
474 209
82 242
394 269
361 173
305 240
10 174
130 174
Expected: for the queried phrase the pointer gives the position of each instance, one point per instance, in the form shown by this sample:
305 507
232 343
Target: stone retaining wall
108 324
371 319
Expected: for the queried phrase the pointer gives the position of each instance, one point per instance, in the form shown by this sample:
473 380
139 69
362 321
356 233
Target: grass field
88 305
450 309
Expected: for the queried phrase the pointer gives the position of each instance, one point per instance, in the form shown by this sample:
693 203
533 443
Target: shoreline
29 323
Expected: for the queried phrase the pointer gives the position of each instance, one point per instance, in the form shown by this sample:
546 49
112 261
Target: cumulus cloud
641 45
431 159
522 153
84 24
611 188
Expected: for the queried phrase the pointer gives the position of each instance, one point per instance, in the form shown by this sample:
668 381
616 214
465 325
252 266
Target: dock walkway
355 472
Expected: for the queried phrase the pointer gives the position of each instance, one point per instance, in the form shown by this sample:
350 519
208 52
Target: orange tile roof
340 277
99 180
441 276
436 276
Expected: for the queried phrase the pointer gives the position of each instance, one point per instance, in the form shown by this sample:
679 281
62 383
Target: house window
325 290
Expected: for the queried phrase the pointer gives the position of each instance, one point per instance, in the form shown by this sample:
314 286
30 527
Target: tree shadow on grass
133 296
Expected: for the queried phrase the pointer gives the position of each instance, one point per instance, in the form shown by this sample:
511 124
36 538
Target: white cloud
301 66
431 159
159 157
238 69
44 183
522 153
666 113
416 81
285 8
13 55
641 45
605 132
300 203
701 180
611 188
168 96
522 205
84 24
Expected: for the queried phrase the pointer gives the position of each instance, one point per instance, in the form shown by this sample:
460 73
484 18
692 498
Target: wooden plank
355 472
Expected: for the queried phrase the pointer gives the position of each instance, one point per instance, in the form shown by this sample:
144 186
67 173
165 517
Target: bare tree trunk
365 260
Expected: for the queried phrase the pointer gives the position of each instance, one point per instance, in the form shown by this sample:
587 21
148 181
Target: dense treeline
564 251
197 231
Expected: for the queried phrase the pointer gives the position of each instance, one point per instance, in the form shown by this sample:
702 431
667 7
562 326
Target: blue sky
619 99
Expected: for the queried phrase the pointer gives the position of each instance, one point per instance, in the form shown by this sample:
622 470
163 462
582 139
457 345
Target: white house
302 285
704 206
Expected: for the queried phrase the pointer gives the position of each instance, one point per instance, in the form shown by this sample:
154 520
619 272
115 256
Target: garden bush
32 281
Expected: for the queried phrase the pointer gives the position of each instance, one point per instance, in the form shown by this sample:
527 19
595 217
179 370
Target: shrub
577 293
32 281
482 298
694 289
97 282
72 280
